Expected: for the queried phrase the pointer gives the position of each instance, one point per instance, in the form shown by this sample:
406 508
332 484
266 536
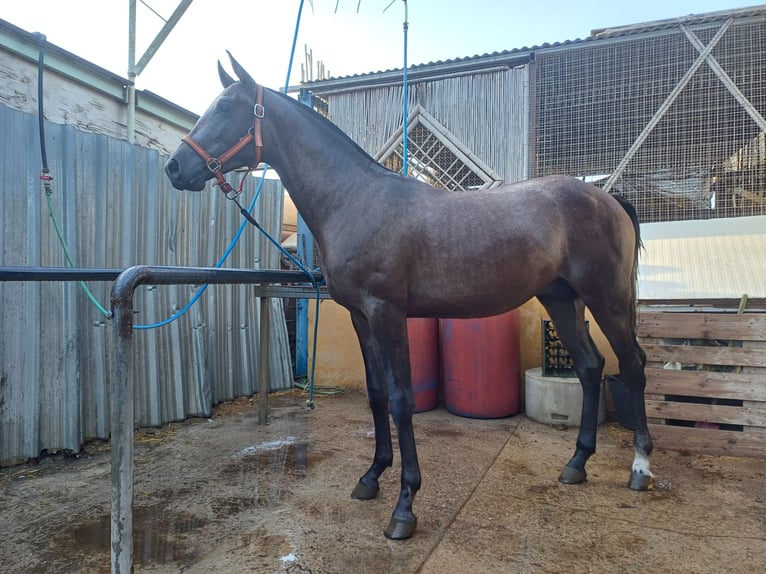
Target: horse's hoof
363 492
399 529
572 476
640 481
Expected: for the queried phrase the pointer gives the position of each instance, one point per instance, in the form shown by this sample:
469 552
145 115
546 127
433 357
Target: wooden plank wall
706 380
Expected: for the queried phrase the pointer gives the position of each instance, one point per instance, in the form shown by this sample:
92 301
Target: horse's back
497 248
560 212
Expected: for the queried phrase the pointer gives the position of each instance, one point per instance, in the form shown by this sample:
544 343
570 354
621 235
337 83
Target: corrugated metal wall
487 111
117 209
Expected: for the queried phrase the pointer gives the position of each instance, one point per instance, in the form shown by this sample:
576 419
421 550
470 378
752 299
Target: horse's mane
310 114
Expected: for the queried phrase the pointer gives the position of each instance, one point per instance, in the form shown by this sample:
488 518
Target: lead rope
314 283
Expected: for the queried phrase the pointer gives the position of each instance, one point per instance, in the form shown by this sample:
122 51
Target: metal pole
263 363
405 96
134 69
19 273
306 256
161 35
131 123
121 416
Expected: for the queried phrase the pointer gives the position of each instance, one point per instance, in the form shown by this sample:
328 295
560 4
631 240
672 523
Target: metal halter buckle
228 190
214 165
232 193
258 110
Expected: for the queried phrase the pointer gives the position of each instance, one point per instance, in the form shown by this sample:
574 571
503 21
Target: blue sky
349 36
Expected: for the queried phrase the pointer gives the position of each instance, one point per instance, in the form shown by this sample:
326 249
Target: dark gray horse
394 247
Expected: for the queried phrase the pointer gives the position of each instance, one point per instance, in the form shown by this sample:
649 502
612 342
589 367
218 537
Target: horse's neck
317 165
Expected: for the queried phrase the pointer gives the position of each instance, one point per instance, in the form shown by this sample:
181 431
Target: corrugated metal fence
117 209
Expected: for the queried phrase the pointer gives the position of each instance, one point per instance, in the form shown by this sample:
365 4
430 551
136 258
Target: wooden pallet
706 380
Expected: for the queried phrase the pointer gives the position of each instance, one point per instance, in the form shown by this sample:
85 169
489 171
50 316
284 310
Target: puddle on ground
268 445
159 537
282 457
259 474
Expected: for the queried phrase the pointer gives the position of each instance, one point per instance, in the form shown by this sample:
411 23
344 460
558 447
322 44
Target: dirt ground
225 495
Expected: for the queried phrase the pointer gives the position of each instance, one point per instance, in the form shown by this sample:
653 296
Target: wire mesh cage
669 117
436 156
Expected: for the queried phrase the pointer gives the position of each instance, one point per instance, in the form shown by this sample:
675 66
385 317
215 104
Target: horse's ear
226 79
244 77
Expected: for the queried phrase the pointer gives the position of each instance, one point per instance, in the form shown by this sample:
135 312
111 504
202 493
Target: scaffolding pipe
255 276
134 69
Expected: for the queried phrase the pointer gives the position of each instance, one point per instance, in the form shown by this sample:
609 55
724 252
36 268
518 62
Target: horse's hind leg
617 325
632 371
568 314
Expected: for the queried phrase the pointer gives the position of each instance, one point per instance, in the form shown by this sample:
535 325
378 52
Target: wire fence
670 118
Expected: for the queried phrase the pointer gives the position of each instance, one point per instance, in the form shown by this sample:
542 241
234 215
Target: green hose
69 259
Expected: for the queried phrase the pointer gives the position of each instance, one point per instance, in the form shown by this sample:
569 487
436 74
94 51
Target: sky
348 36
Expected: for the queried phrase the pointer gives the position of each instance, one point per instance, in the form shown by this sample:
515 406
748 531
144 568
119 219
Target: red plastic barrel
423 335
481 365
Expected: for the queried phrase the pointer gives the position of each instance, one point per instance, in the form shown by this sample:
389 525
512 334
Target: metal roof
518 56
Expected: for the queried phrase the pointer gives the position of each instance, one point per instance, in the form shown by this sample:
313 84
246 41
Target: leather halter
215 164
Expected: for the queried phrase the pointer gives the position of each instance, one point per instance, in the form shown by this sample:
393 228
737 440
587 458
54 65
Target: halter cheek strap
215 164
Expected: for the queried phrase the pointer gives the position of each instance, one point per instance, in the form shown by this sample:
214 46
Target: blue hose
220 262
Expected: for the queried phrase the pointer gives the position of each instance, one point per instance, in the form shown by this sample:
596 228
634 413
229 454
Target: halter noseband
215 164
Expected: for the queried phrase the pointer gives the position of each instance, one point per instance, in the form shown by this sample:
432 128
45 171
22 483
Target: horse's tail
631 211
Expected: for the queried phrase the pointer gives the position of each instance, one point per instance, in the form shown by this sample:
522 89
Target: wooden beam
722 414
736 386
707 441
749 326
694 354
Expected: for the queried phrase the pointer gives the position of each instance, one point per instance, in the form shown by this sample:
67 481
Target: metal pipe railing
42 274
161 275
121 384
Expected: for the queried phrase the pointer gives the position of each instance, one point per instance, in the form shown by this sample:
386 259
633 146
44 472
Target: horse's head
226 137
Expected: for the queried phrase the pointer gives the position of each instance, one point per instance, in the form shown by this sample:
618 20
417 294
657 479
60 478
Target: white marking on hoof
641 464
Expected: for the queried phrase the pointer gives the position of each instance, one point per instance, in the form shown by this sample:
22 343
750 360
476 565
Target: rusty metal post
263 362
121 415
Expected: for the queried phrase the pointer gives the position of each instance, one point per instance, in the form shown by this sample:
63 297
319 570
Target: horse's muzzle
179 181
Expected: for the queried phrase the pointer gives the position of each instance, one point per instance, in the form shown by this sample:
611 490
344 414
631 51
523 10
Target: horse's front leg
385 348
377 395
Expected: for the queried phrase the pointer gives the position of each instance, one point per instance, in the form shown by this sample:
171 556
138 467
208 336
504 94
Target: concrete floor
226 495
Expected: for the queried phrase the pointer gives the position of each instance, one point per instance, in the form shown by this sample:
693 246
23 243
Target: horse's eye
223 105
